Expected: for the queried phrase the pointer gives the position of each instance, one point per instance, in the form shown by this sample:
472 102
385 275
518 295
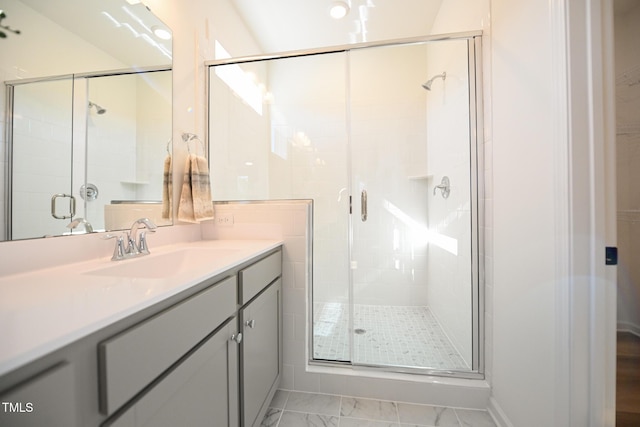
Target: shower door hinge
611 255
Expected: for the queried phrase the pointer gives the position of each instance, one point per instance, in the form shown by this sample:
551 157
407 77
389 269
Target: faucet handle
118 252
142 246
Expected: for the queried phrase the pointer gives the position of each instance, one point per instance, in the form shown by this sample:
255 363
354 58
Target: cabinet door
260 359
201 391
47 400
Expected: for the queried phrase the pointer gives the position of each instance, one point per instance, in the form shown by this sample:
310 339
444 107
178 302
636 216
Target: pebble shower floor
384 335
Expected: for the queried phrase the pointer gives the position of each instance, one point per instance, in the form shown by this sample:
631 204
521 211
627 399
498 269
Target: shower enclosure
78 142
384 139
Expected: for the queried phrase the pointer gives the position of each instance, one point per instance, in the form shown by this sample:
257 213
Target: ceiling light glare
161 33
338 10
132 2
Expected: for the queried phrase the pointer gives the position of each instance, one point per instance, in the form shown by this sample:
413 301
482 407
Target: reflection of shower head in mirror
428 83
99 109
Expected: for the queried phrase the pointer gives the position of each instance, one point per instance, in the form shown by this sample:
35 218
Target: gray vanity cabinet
40 402
201 391
261 349
260 353
210 356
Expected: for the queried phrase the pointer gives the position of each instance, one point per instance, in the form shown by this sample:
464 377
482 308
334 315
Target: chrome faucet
88 228
132 248
139 247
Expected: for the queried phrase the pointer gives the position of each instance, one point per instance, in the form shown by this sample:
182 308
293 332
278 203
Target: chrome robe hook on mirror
444 187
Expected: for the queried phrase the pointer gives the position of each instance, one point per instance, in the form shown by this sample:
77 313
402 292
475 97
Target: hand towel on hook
167 188
195 198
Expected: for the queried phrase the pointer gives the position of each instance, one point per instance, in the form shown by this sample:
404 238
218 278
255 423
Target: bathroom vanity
187 336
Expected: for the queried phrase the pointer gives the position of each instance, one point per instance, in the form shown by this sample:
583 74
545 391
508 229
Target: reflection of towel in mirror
195 198
167 188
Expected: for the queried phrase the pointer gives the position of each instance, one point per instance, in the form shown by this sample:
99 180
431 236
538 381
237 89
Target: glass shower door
411 181
41 150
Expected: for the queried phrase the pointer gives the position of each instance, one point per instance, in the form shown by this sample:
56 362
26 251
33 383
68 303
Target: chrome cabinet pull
237 337
363 205
72 206
250 323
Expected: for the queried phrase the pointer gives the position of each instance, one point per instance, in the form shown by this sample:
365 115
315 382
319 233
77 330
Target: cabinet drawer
256 277
49 399
201 391
131 360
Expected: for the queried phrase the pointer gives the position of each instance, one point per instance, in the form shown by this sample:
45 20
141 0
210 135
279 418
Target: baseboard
498 415
629 327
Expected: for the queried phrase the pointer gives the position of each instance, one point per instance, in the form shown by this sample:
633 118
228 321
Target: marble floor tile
300 419
369 409
426 415
271 418
471 418
358 422
279 399
313 403
302 409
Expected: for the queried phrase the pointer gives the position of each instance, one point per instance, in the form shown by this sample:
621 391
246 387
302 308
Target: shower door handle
363 205
72 206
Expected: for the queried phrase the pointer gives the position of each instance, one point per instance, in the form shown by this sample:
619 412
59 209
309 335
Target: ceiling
289 25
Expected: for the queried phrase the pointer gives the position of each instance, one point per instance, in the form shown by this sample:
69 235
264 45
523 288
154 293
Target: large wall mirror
86 108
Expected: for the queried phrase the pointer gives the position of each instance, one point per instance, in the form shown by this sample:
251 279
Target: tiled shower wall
627 62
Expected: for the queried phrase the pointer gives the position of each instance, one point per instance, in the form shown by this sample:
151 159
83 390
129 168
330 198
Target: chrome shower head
428 83
99 109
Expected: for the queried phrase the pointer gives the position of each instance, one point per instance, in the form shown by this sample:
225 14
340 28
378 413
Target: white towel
195 198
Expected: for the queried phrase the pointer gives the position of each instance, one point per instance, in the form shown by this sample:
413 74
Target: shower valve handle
444 187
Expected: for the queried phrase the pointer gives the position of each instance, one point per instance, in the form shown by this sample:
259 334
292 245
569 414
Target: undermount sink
164 265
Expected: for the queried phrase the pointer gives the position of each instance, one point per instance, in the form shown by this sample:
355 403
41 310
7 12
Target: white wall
525 184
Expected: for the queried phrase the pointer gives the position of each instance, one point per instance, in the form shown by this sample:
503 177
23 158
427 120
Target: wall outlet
224 219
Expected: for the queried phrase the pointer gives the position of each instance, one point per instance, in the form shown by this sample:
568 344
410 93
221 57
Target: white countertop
44 310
